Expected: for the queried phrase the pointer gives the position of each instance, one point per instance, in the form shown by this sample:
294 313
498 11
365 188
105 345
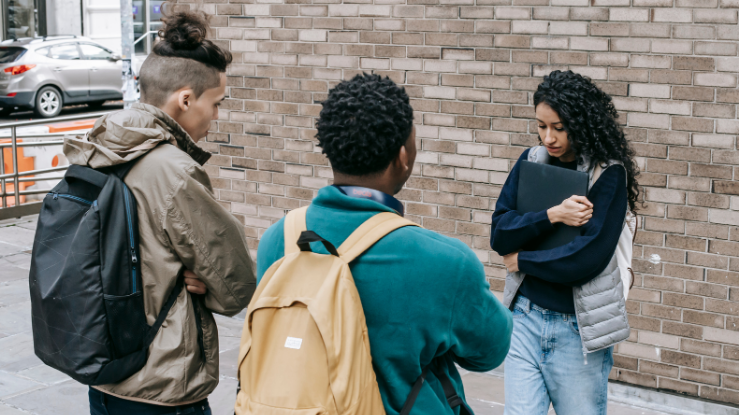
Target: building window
146 18
20 19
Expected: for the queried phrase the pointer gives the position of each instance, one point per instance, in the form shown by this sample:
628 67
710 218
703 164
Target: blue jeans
104 404
546 365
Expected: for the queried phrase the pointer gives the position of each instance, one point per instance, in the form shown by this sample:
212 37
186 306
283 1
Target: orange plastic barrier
28 163
24 164
71 126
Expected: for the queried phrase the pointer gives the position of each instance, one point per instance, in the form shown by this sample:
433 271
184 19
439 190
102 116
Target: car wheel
96 104
48 102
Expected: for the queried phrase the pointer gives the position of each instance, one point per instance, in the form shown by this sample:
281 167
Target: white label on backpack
293 343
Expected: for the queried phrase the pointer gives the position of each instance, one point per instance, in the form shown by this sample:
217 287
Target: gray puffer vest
600 306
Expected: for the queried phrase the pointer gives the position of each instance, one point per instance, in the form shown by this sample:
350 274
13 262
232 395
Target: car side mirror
115 58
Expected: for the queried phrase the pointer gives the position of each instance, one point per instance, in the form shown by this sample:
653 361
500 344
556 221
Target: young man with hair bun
182 226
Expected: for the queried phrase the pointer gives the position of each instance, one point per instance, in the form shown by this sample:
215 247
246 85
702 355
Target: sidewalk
27 386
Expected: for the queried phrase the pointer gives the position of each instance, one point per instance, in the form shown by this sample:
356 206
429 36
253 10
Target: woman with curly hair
568 302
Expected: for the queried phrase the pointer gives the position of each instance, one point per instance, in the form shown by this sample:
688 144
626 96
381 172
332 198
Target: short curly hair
589 117
363 124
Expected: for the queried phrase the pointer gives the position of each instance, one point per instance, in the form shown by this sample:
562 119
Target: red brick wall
471 69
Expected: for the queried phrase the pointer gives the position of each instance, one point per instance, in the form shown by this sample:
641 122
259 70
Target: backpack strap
451 394
86 174
164 312
371 231
294 226
411 400
452 398
121 170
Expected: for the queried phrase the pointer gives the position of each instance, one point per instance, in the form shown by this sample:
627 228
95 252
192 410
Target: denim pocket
518 312
574 327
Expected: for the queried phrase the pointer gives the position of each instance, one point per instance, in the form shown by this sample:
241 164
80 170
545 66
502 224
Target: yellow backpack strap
371 231
294 226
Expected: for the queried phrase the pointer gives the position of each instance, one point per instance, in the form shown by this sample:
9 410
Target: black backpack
86 291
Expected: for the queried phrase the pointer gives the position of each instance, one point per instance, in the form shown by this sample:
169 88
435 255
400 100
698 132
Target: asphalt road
66 111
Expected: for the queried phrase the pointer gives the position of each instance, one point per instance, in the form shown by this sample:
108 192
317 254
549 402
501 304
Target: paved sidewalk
28 386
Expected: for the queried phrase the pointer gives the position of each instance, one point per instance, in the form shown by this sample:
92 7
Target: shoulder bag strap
371 231
294 226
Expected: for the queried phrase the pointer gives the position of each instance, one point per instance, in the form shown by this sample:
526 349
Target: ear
403 160
184 99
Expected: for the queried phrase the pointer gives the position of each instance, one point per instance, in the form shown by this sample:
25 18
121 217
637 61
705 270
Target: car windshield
10 54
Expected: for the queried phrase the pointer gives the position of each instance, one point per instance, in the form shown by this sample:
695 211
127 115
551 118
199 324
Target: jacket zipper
134 259
78 199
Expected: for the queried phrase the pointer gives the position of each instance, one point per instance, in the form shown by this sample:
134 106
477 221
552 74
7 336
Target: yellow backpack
305 348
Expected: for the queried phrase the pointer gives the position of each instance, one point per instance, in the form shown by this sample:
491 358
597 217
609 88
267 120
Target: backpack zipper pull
55 195
134 259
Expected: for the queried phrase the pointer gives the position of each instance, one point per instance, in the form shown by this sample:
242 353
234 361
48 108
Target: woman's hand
575 211
193 283
511 262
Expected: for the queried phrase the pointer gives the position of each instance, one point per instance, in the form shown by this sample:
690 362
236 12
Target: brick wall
471 69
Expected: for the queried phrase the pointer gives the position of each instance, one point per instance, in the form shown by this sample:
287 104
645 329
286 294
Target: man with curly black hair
425 297
366 131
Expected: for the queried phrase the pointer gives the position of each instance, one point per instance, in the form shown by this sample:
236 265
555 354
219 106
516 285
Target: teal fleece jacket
424 296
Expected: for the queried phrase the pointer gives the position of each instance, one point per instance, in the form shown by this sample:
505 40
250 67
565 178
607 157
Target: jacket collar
183 140
540 155
331 197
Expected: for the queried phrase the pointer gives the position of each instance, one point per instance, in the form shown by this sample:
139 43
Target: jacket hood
122 136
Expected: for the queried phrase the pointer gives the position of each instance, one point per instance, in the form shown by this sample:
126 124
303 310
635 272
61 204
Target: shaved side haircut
182 58
161 76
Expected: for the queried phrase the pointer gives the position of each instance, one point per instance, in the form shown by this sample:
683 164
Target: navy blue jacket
551 274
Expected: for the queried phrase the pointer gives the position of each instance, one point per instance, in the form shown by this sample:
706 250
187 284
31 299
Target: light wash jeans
546 364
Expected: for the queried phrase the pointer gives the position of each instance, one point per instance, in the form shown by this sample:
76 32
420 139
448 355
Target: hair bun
183 36
184 29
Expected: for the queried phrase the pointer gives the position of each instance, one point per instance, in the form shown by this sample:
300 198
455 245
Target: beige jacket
181 226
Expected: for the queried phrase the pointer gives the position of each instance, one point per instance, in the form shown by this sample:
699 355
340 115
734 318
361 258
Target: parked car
44 74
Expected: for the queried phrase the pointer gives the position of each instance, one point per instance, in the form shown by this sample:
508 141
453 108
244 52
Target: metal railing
22 209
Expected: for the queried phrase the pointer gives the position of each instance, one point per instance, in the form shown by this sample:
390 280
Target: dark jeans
104 404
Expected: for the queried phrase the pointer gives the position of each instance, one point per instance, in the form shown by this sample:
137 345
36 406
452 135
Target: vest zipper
75 198
134 259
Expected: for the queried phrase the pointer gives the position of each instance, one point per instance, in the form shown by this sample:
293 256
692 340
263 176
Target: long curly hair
589 117
364 123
